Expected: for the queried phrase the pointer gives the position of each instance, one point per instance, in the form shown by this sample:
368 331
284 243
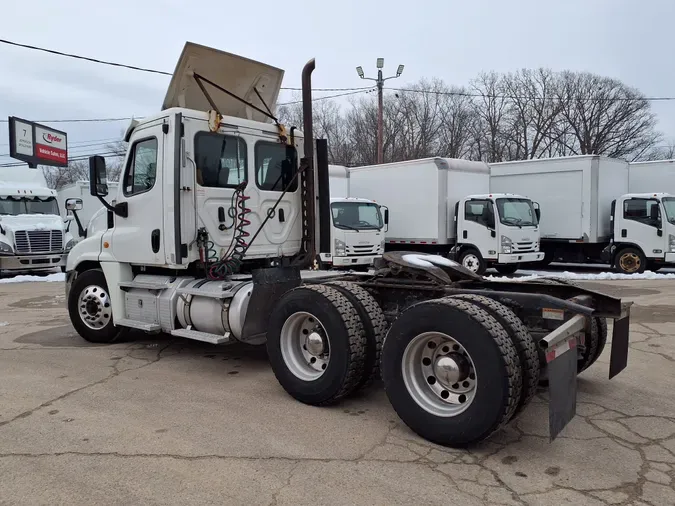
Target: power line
368 90
134 67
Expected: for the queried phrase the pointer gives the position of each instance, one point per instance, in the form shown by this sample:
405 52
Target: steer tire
346 339
522 340
498 375
93 281
374 326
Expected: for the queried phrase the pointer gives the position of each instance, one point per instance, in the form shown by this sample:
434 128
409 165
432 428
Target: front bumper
32 262
350 261
670 258
520 257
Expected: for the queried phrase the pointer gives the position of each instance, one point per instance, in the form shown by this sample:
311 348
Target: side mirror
98 182
654 213
537 211
73 204
386 216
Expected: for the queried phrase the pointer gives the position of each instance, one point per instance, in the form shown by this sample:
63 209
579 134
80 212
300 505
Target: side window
221 160
275 166
642 210
479 211
142 168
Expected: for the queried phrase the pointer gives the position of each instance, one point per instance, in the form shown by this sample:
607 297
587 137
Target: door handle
221 214
465 234
282 217
154 240
624 232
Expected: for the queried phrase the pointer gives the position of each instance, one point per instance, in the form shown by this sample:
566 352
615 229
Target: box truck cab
498 230
357 233
33 235
443 206
643 232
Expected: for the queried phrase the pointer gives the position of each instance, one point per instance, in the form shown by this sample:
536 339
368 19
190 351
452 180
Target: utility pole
380 87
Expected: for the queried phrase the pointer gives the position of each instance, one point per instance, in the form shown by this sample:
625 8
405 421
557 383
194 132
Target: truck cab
33 236
357 232
643 232
499 230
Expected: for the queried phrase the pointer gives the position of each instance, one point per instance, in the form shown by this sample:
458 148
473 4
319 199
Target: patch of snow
601 276
4 324
58 276
428 260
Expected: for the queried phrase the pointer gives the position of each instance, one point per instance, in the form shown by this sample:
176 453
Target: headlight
6 248
382 244
70 244
340 248
671 243
506 245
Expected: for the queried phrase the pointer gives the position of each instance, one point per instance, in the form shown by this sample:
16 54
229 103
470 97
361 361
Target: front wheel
90 309
630 261
472 260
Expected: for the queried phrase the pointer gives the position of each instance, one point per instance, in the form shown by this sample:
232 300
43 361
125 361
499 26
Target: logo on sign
51 138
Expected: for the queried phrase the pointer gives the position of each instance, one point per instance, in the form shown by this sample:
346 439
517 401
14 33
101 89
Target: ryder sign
37 144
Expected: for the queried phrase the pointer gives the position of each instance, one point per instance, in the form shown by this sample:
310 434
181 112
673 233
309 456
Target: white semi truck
443 205
33 235
216 220
588 214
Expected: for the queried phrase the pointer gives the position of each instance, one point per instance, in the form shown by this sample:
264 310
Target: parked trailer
462 356
443 205
588 216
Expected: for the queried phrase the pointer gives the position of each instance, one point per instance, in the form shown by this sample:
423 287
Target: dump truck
222 210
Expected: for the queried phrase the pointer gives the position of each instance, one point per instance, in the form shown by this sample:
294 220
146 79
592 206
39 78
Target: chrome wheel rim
305 347
439 374
471 262
93 306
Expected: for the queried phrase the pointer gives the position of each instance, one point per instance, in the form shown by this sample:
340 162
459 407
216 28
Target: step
146 285
135 324
201 336
201 292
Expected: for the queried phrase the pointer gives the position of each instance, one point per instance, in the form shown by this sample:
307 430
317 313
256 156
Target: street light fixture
380 86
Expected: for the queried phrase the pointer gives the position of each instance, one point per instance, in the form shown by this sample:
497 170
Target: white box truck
649 177
91 206
588 214
33 235
443 205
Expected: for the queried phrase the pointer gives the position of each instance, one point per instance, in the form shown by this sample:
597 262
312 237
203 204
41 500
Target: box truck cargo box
650 177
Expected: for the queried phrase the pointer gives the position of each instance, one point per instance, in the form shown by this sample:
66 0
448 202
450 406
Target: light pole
380 86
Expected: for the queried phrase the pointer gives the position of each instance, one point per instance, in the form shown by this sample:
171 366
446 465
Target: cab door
477 226
139 238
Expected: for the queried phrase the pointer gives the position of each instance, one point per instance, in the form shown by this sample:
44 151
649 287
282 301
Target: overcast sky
450 39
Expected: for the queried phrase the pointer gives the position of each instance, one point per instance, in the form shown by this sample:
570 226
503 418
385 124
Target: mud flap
268 287
562 384
619 357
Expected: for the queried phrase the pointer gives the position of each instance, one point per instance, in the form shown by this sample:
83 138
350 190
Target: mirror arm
81 230
121 209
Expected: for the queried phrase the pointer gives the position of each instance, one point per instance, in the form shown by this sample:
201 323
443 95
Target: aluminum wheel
439 374
94 307
471 262
630 262
304 346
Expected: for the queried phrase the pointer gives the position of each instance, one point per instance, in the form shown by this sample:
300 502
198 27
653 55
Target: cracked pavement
167 421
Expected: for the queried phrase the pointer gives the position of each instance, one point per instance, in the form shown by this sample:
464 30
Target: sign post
37 144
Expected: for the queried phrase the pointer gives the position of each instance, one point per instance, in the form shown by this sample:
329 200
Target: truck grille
524 247
38 241
362 250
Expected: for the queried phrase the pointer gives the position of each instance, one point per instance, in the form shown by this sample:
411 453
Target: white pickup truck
33 235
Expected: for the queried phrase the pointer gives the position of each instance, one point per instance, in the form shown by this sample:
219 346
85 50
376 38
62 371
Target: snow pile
584 276
58 276
4 324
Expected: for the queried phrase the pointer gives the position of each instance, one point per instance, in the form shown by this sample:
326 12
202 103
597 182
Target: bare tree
490 134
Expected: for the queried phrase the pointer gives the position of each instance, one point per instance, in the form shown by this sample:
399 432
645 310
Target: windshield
14 206
356 215
669 205
518 212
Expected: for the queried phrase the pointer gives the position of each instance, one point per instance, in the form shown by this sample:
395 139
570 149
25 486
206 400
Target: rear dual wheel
452 371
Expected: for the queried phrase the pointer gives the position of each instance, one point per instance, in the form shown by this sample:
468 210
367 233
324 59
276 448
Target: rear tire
522 340
90 310
316 344
472 259
506 269
416 373
374 326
